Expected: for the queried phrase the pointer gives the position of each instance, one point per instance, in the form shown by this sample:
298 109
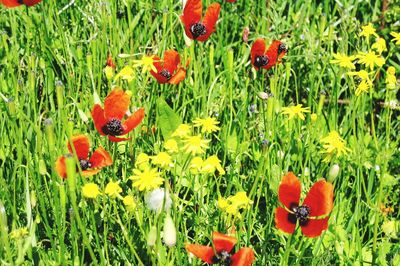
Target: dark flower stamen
198 29
223 258
85 164
301 213
282 48
261 60
166 74
113 127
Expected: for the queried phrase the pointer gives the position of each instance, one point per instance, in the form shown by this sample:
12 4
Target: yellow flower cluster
371 59
295 110
233 204
207 166
333 145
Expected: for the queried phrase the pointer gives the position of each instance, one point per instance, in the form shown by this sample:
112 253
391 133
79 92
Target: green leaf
167 119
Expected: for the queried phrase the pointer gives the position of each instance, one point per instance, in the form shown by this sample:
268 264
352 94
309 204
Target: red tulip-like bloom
15 3
168 70
195 28
108 121
261 57
223 245
312 216
99 159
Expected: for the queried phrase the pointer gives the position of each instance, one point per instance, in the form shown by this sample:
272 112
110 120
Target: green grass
51 66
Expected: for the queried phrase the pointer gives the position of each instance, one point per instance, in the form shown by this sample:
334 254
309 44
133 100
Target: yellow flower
334 144
297 110
146 180
162 159
19 233
391 78
90 190
212 163
368 30
363 86
113 189
343 60
240 199
126 73
314 117
182 131
109 71
195 144
222 203
208 124
233 204
396 37
380 45
146 62
196 165
142 160
171 146
129 203
370 59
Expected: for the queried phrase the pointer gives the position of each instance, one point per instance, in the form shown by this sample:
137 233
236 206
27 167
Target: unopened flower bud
152 236
169 231
333 172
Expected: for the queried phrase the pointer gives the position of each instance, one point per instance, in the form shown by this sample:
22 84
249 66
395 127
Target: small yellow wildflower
113 189
233 204
195 144
146 62
365 84
391 78
162 159
362 87
208 124
109 71
129 203
212 163
182 131
196 165
396 37
19 233
90 190
142 160
171 146
126 73
370 59
297 110
240 199
344 60
222 203
368 30
380 45
334 144
361 74
314 117
146 180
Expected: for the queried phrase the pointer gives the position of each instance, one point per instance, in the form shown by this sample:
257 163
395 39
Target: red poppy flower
167 69
263 58
195 28
15 3
231 1
223 245
108 121
312 216
99 159
110 62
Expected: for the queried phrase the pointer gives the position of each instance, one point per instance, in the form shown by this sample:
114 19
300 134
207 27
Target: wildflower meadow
199 132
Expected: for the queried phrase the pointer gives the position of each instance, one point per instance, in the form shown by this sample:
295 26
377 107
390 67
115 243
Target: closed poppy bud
152 236
169 231
333 172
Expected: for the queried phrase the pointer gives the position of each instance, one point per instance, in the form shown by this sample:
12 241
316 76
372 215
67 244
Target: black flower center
85 164
300 213
166 74
261 60
113 127
198 29
223 258
282 48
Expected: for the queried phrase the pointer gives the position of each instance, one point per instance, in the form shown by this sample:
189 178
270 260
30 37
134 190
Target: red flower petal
178 77
10 3
315 227
289 190
81 145
231 1
171 61
90 172
191 15
100 158
223 242
282 221
320 198
209 20
204 253
133 121
272 54
98 118
116 104
157 64
244 257
110 62
31 2
115 139
258 48
60 167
